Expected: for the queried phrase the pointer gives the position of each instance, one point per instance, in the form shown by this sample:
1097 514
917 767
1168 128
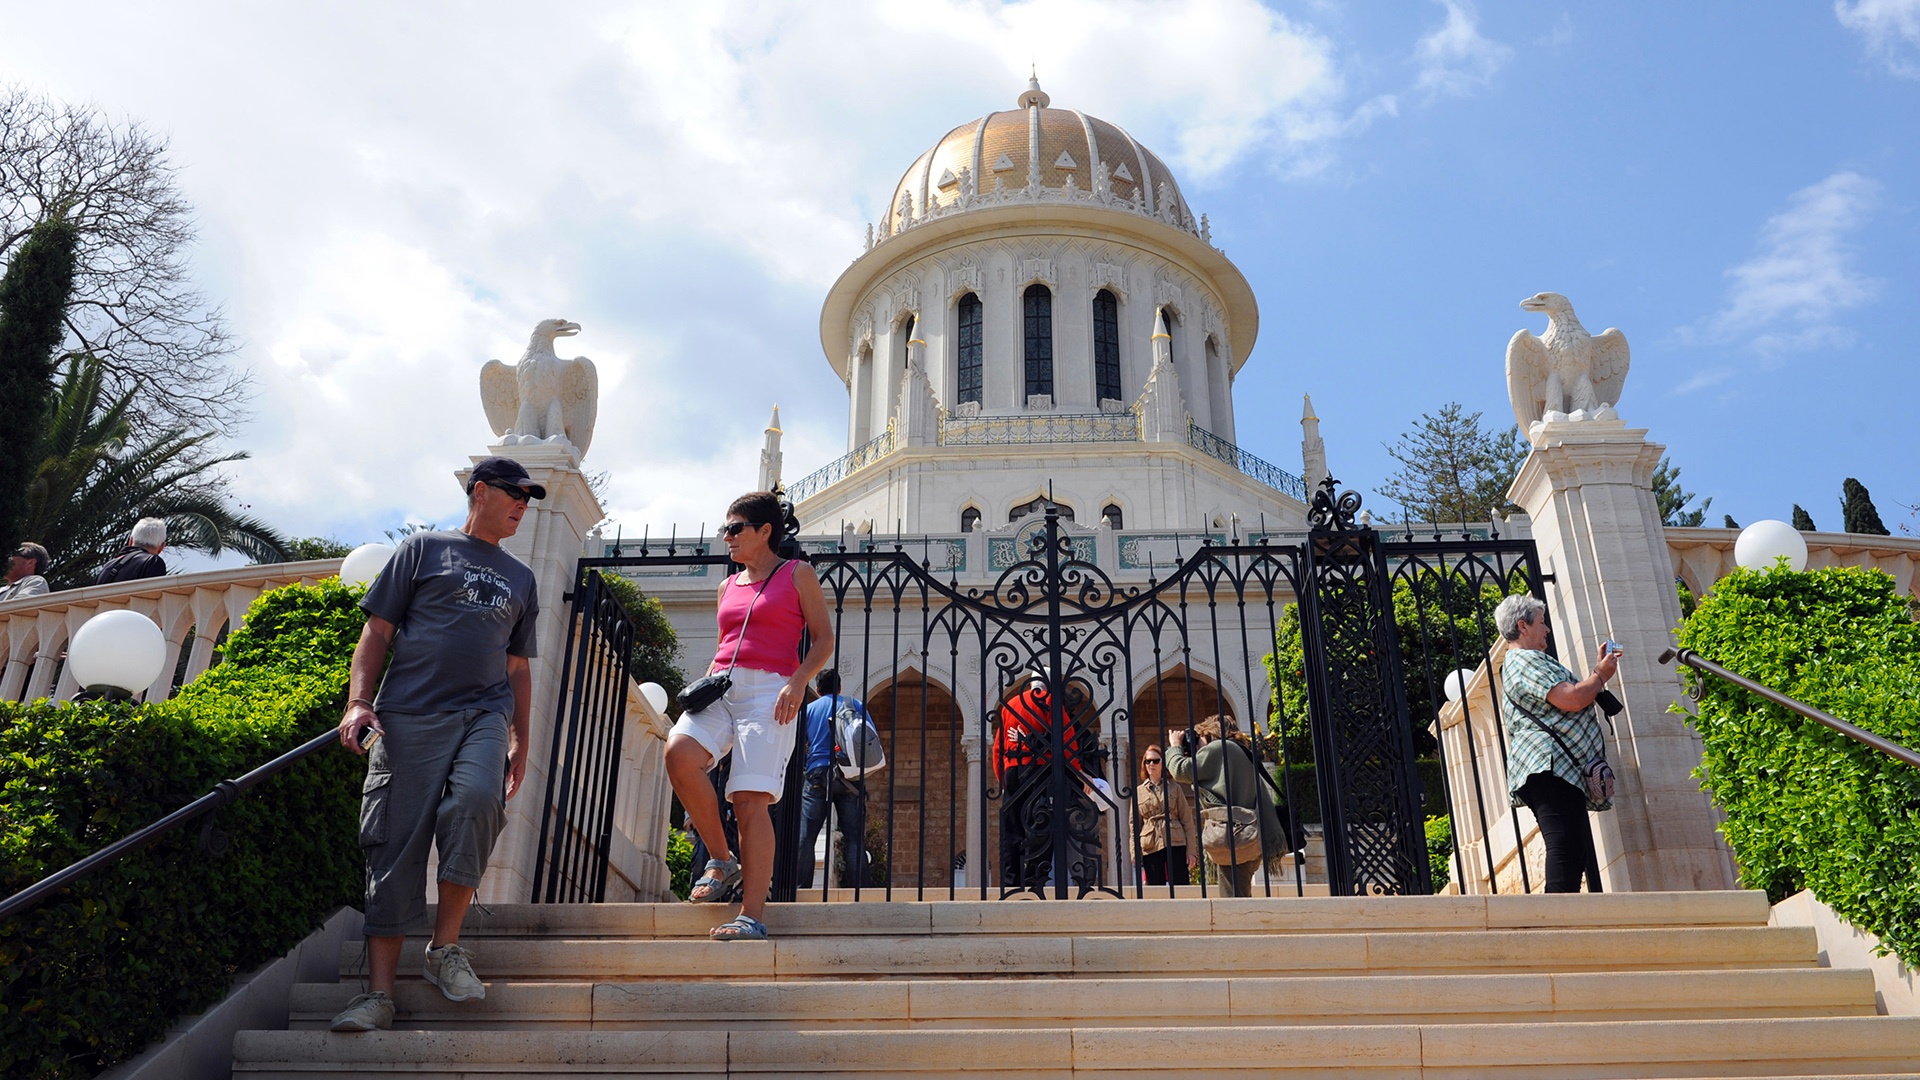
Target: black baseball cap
506 471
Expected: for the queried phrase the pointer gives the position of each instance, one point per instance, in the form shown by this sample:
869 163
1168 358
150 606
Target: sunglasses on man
501 485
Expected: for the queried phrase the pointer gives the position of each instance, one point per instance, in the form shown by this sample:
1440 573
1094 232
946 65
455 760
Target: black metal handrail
1857 734
226 792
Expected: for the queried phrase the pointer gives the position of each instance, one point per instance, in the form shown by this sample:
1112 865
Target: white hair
149 533
1515 610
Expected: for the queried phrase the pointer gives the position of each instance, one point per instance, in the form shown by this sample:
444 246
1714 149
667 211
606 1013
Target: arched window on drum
1038 316
1106 346
970 351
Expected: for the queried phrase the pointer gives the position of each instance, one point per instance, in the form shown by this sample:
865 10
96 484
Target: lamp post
117 654
1762 543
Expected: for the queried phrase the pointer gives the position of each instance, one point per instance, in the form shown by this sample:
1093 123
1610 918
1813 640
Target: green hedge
1807 807
88 978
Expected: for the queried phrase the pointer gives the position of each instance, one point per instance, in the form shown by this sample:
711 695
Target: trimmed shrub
1440 850
1806 806
89 977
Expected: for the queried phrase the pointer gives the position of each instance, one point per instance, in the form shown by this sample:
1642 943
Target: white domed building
1041 314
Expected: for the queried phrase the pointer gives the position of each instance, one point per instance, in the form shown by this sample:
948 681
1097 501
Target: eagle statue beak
1533 303
568 329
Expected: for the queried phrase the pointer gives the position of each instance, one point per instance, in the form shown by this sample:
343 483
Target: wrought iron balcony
1260 469
1040 427
842 467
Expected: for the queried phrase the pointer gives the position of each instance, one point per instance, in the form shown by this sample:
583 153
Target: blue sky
388 197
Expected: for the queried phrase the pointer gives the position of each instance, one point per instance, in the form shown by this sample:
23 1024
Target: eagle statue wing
579 401
1527 377
499 395
1608 363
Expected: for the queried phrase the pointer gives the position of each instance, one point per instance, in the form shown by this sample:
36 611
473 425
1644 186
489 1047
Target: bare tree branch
134 303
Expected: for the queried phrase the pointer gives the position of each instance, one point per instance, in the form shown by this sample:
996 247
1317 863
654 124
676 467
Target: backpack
856 742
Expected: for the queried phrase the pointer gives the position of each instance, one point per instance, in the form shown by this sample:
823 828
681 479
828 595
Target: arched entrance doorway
916 807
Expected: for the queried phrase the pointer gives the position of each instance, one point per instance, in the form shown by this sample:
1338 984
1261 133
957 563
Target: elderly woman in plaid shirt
1551 721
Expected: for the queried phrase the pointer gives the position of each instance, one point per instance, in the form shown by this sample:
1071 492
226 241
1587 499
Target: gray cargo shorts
435 779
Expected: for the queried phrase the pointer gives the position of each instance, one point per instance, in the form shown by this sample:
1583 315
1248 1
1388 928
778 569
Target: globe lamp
117 654
1763 542
364 563
656 696
1457 684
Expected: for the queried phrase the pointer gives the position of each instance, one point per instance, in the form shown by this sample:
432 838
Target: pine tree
1452 469
33 303
1673 499
1803 520
1857 511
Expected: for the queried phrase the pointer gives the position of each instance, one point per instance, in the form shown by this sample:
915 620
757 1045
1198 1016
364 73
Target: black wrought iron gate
1015 713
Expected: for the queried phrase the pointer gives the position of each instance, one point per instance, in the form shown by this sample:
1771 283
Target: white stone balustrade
34 632
1704 556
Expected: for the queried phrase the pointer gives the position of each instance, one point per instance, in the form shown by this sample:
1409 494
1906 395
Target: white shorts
742 721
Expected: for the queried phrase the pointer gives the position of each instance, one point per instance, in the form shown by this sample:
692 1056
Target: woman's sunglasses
734 528
1153 761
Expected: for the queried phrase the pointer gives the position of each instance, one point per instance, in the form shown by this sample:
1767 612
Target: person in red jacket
1022 764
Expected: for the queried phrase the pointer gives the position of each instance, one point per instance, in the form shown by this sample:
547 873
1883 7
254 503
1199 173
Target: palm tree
92 485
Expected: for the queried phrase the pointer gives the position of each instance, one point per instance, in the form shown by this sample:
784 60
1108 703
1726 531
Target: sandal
722 877
740 928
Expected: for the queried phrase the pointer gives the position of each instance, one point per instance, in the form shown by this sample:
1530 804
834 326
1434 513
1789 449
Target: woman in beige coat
1161 812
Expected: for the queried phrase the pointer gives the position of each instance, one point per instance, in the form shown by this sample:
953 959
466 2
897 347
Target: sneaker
368 1012
450 968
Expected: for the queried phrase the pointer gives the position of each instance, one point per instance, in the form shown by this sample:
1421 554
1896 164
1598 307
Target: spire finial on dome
1033 95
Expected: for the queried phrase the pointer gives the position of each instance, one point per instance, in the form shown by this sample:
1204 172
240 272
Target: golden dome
1040 152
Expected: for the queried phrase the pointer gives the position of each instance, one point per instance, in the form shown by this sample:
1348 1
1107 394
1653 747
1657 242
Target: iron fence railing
842 467
1039 428
1259 468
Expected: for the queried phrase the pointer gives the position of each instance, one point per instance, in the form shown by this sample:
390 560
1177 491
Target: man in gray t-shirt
447 733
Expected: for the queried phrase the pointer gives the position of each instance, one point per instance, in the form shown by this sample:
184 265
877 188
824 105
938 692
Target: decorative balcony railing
1260 469
1040 428
842 467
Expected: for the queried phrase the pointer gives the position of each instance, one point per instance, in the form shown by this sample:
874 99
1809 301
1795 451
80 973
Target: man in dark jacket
142 557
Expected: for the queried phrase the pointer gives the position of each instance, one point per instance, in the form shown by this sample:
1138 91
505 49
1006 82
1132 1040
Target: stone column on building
1587 486
770 457
549 540
1162 407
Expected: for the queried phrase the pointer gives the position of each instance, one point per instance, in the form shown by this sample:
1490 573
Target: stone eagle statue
1565 373
542 398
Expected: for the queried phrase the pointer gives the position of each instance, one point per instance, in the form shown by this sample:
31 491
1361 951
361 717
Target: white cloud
1785 297
1891 28
1456 60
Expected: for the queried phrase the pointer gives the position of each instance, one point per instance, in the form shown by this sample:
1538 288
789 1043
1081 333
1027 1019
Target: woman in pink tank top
762 611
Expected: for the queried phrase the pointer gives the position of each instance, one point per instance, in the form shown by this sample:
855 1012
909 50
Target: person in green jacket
1215 758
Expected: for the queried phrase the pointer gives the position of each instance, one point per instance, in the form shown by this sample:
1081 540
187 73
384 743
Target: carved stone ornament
1168 294
964 279
1109 275
1566 373
542 398
1037 269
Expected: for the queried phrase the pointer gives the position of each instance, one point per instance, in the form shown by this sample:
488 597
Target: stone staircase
1620 985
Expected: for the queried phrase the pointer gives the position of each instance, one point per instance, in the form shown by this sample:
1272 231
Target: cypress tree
1857 512
33 304
1731 524
1803 520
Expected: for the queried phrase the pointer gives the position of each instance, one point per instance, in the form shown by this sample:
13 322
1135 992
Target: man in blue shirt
826 785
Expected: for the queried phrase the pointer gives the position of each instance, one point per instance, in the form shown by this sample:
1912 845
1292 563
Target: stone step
1086 917
1826 1046
1167 955
1025 1003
